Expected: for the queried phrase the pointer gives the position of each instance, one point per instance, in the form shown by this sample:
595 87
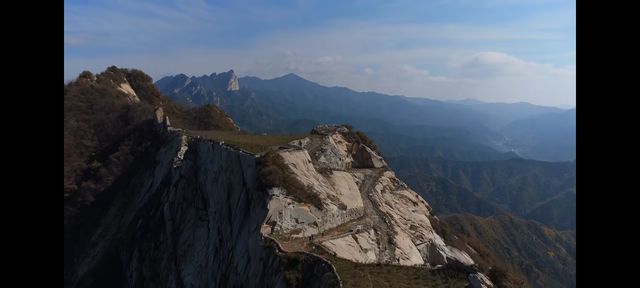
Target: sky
489 50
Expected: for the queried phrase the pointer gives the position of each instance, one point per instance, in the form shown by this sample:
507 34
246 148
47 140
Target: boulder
366 158
479 280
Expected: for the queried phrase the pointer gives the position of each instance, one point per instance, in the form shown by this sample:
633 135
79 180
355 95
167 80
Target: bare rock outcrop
368 214
232 83
479 280
367 158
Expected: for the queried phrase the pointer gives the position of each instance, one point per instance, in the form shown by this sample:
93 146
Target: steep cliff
154 205
148 206
186 214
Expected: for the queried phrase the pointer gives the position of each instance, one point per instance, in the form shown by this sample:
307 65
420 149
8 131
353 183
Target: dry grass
378 275
248 142
274 172
356 275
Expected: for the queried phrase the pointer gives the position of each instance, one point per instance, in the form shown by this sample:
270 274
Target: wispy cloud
380 46
73 40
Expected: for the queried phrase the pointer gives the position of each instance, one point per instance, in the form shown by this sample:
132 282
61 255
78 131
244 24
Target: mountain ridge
287 102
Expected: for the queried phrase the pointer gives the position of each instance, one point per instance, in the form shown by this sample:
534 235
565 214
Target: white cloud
326 60
368 70
440 61
504 78
493 64
413 73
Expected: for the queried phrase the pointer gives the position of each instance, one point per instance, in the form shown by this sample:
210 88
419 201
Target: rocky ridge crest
367 214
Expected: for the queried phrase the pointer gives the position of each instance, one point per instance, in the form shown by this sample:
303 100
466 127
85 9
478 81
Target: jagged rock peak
232 83
225 81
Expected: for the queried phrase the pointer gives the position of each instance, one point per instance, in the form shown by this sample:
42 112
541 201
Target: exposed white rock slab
287 216
406 252
131 94
300 163
159 113
367 158
479 280
346 189
371 193
341 144
233 84
360 247
409 213
452 253
330 152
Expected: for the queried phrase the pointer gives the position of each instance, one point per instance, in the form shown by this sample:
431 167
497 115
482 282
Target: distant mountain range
467 130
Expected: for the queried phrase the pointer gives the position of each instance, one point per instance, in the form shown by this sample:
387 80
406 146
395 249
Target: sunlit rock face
368 215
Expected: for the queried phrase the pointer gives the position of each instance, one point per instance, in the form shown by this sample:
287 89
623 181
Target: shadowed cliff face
186 214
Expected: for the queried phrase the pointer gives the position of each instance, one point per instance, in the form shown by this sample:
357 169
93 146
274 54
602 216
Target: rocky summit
206 89
364 214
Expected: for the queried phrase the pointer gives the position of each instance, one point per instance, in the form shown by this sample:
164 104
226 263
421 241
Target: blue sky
491 50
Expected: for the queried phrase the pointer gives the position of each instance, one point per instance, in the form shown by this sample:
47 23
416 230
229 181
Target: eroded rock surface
368 215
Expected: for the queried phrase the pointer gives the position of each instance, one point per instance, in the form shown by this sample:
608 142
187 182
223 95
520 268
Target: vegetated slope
526 188
556 211
356 275
447 197
108 120
545 256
